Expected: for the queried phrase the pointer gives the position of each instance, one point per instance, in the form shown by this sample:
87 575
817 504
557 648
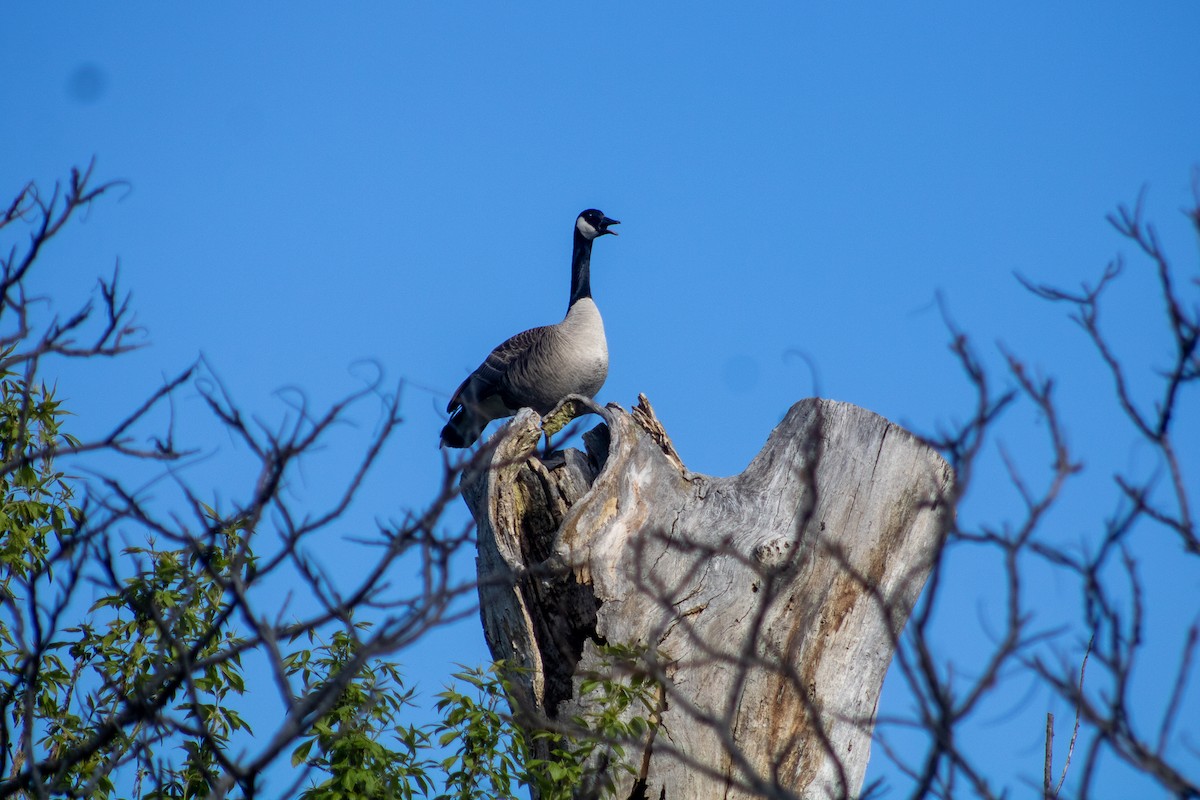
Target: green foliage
58 688
487 752
492 754
627 700
36 513
346 742
36 518
364 752
165 631
488 755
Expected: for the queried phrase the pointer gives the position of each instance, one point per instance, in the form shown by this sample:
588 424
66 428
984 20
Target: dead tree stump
766 604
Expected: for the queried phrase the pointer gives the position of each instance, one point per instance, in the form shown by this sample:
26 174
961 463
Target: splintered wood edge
644 416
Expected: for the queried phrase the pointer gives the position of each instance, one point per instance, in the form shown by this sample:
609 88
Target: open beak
604 223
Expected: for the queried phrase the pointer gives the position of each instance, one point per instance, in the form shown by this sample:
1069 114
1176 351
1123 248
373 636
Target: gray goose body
539 367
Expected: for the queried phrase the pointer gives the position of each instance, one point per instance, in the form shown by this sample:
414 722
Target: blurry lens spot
87 83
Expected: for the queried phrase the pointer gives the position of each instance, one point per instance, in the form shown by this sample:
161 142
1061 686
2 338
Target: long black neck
581 265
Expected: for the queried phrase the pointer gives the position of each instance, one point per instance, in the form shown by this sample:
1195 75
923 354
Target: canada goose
539 367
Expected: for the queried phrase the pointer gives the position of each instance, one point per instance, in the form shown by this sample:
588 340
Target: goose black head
592 224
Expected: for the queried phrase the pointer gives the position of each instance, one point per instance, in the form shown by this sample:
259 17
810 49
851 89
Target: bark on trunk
766 604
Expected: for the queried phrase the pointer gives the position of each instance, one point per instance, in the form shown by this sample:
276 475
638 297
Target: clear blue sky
313 186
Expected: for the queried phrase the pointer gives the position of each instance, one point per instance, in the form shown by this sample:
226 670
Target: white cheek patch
586 228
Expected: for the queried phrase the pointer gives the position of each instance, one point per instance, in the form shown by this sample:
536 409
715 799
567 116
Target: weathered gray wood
768 603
